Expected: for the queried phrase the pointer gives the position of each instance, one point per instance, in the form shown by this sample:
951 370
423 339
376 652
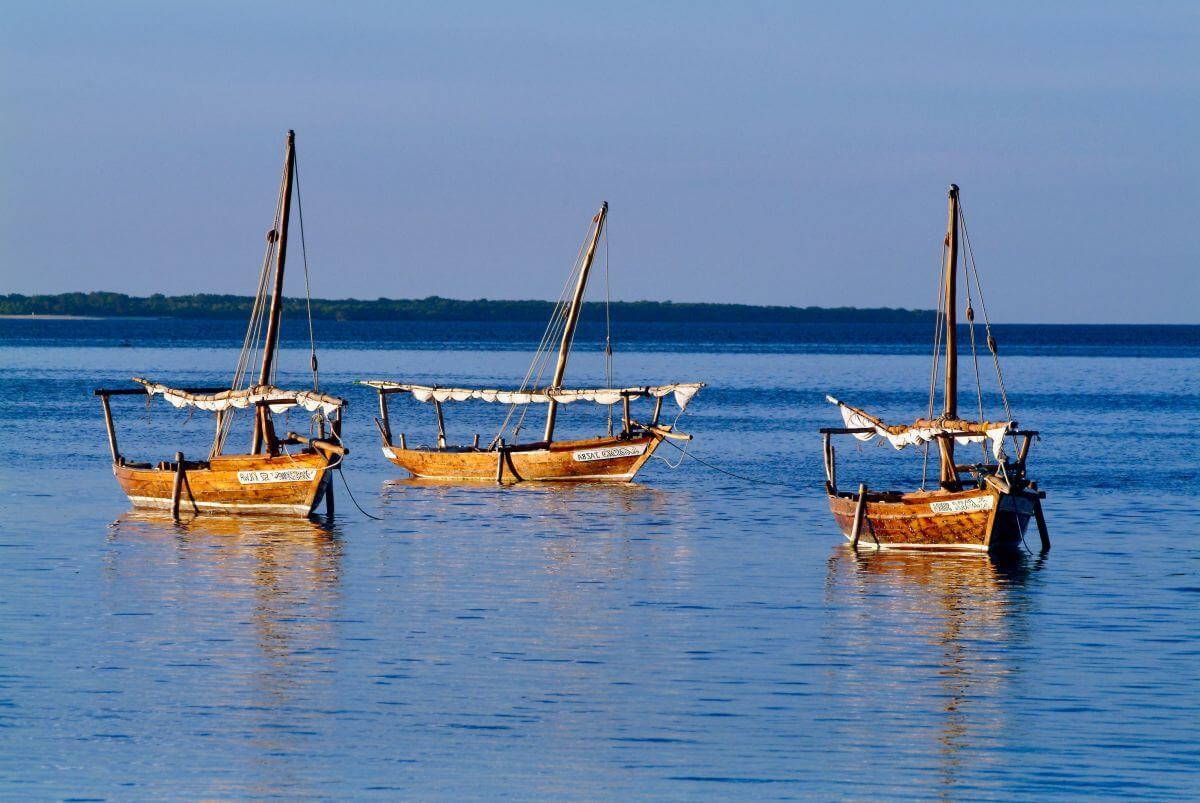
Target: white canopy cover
241 399
683 393
924 430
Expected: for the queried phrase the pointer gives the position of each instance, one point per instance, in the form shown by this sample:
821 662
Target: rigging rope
250 343
974 349
552 333
608 353
987 324
938 323
312 343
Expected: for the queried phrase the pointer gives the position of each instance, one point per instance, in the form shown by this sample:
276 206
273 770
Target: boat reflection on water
260 592
939 634
591 524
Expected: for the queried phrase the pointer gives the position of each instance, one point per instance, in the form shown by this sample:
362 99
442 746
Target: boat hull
289 485
606 459
978 520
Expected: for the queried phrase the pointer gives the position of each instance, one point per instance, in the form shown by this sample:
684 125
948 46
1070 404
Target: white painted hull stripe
165 504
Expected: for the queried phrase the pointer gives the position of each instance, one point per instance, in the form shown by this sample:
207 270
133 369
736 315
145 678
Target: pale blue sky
786 153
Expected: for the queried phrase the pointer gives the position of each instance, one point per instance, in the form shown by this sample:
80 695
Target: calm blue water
690 636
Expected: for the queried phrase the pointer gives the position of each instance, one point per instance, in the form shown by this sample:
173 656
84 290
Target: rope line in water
736 476
355 501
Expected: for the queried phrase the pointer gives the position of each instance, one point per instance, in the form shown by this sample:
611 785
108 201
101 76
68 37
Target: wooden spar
572 320
949 477
441 430
500 463
1024 452
657 411
385 426
860 510
177 488
1040 518
272 340
625 420
830 466
112 432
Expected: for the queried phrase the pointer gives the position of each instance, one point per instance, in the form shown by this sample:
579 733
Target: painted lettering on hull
278 475
608 453
968 505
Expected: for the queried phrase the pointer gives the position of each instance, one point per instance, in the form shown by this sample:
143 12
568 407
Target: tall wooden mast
572 320
272 341
949 477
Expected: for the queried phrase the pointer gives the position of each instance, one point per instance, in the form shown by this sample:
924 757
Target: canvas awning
280 400
683 393
924 429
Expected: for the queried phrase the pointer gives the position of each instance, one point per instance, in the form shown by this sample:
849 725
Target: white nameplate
971 503
389 454
281 475
608 453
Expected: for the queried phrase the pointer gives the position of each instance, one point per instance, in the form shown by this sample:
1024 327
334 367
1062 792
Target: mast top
953 190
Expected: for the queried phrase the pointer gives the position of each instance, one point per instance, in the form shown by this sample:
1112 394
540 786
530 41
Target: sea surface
705 632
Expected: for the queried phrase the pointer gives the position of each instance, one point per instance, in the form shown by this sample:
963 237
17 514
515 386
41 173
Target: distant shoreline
37 316
85 306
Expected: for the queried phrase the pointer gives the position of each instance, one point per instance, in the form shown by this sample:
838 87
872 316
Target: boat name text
971 503
608 453
282 475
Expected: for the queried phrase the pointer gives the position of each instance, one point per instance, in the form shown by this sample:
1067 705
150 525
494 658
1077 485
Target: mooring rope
355 501
727 472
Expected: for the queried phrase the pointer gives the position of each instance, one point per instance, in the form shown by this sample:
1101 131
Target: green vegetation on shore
119 305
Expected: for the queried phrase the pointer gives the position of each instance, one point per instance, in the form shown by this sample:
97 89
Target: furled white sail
924 430
682 392
279 399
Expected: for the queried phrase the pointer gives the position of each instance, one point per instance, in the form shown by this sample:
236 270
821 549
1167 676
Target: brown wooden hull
288 485
606 459
980 520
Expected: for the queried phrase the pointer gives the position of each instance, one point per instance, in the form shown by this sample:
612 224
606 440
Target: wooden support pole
329 496
403 441
500 463
216 444
860 511
657 410
833 467
385 425
1040 517
625 422
1024 450
112 432
830 466
177 488
475 443
441 430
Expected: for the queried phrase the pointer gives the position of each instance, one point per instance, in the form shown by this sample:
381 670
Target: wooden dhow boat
984 506
614 457
289 475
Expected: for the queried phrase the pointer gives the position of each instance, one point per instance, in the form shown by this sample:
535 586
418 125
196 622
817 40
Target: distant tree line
118 305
